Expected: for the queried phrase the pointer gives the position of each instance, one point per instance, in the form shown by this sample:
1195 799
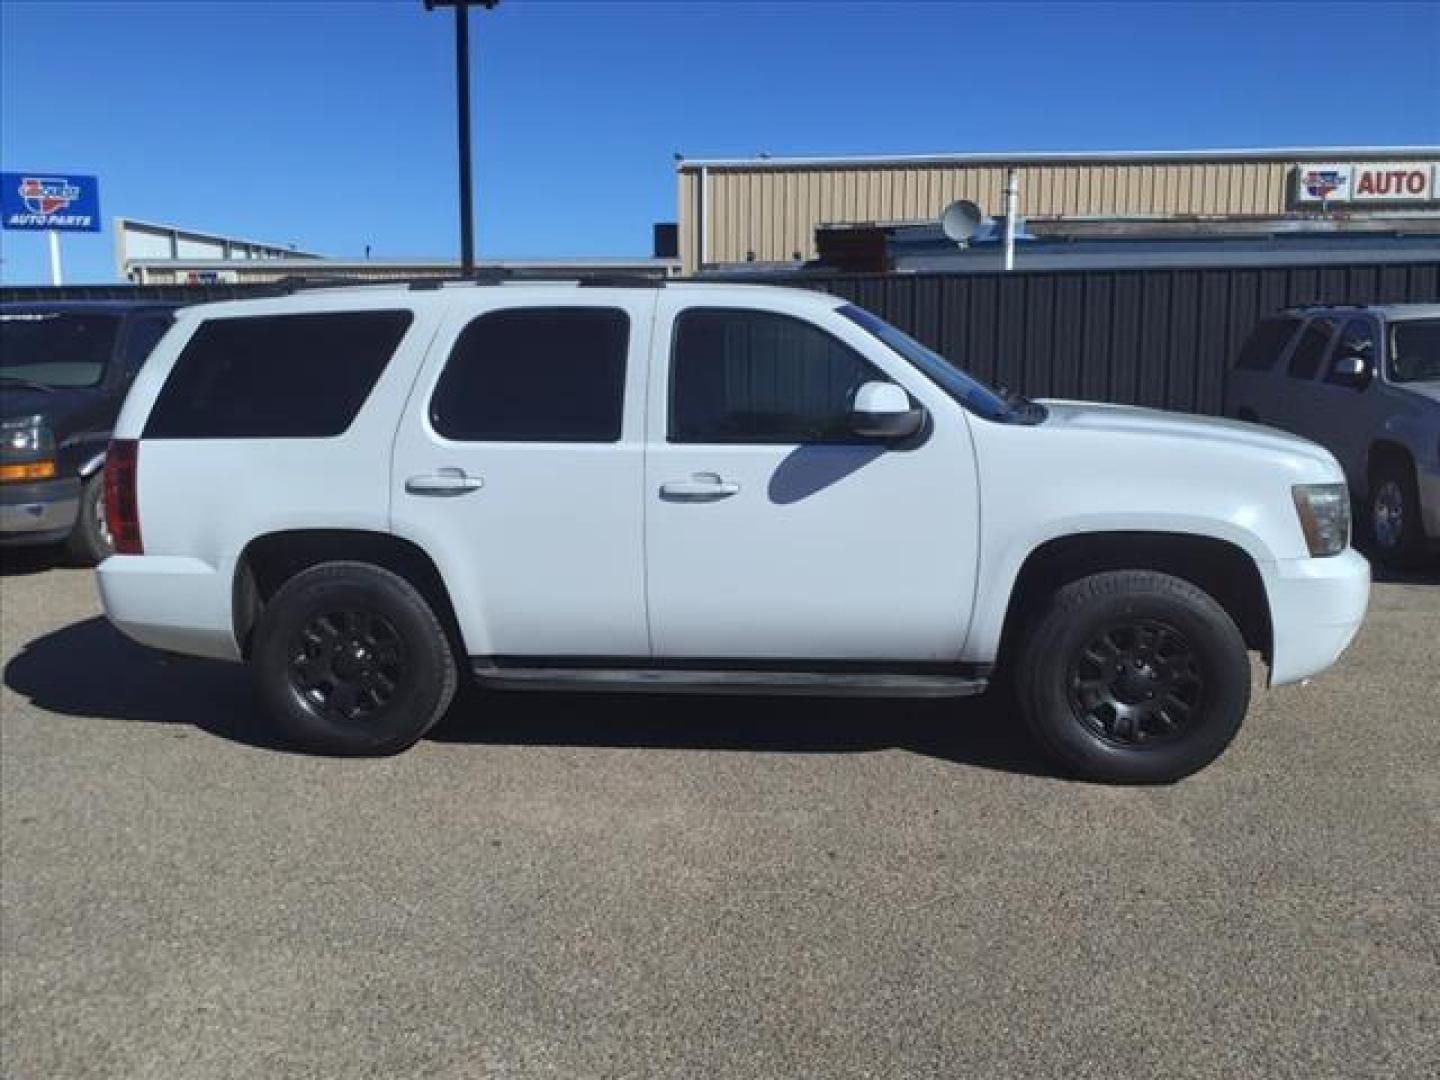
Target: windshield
1415 350
966 389
55 349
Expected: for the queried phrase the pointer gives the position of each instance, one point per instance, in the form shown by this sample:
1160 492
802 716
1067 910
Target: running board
702 681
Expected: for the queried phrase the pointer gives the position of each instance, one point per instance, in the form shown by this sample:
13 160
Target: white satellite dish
961 220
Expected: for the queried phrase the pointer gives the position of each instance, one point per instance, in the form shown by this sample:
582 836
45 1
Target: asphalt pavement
652 887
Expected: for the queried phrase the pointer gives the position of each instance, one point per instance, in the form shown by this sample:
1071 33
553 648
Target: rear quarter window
1265 344
276 376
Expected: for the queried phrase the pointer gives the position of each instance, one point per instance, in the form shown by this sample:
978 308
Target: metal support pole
1012 188
55 275
704 217
462 97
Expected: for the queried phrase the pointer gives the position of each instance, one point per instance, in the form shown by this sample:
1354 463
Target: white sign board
1368 182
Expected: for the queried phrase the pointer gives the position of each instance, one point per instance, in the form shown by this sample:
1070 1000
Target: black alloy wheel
1137 683
348 664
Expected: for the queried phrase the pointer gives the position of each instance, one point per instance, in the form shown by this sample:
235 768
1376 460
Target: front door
518 465
1349 415
774 533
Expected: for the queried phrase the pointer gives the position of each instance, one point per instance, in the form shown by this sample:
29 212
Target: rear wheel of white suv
1133 676
349 658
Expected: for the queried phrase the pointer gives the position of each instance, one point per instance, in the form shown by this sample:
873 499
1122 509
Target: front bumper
38 512
1428 482
1316 607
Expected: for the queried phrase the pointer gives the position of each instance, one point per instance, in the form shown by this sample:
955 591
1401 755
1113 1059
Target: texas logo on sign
49 202
1324 183
47 194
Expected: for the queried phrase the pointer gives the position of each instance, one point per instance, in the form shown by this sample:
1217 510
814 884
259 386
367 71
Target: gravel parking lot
585 887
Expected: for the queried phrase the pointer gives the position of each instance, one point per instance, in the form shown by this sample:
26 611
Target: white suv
364 492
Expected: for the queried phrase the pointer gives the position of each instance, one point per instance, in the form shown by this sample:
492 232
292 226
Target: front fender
1000 569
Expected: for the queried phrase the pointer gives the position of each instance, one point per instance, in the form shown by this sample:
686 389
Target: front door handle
701 487
443 482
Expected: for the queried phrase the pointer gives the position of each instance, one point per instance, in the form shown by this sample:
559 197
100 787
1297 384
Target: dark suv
1364 382
64 371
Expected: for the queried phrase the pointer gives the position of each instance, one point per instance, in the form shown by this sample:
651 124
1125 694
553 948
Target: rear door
1256 381
1348 416
518 466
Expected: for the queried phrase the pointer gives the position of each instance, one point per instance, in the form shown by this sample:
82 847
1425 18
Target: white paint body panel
828 552
547 558
841 552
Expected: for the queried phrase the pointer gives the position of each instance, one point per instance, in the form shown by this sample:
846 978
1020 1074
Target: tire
1165 638
350 659
1392 515
89 542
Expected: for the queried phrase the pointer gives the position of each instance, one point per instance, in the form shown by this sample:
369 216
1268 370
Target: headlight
1324 511
27 449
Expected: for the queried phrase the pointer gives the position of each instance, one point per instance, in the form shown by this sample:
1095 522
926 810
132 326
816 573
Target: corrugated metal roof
1040 157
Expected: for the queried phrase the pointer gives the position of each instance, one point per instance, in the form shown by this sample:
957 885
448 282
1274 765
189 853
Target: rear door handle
701 487
443 482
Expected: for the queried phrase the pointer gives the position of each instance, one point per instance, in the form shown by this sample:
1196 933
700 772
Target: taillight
122 496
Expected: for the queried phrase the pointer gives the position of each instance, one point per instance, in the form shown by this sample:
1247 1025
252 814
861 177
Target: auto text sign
50 202
1383 181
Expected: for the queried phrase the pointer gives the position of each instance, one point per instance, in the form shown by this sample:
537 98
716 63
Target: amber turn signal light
30 470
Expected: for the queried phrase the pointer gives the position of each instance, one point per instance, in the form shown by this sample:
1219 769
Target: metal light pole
1012 188
462 99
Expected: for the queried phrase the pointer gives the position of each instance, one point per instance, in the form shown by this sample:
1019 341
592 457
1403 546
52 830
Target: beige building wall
771 207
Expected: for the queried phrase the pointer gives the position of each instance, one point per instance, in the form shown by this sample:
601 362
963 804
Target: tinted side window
1356 339
276 376
1266 343
535 375
741 376
1310 349
145 334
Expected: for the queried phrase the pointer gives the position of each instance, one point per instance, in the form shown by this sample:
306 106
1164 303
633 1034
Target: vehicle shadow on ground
24 561
90 670
966 731
1383 575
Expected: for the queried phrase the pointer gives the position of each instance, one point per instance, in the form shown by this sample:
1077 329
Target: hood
1133 420
1426 388
18 402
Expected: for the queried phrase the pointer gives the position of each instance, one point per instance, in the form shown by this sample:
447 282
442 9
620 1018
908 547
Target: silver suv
1365 383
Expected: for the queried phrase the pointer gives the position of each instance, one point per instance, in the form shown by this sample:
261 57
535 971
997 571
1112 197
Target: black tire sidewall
425 691
1069 627
1410 549
86 544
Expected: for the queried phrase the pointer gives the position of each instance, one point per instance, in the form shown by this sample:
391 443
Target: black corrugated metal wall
1146 337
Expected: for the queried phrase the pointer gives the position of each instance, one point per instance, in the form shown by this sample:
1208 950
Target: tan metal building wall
771 206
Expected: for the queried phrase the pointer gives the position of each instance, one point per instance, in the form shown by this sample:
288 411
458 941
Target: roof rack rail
1322 304
298 283
490 276
595 279
621 281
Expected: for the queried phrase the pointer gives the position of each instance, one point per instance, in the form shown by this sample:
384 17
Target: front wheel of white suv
1133 677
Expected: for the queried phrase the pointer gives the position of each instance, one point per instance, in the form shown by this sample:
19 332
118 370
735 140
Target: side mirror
1351 370
882 410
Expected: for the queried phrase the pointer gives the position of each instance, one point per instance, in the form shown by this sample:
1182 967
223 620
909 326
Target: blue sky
331 124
